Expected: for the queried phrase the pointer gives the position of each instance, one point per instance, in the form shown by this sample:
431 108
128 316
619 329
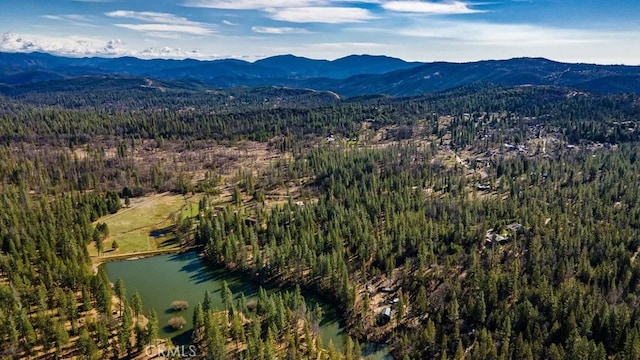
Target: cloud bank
327 15
427 7
160 24
278 30
78 46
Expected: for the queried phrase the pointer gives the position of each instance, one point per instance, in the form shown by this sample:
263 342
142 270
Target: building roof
491 237
514 226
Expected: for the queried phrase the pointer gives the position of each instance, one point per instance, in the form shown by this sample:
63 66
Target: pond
163 279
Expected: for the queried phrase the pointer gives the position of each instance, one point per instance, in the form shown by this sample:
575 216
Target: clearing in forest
146 225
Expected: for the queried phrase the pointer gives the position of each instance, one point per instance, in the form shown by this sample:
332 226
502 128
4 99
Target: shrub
179 305
177 322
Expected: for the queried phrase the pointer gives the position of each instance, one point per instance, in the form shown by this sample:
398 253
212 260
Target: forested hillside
353 75
492 222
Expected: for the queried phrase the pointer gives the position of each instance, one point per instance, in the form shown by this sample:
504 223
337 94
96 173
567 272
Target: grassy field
146 224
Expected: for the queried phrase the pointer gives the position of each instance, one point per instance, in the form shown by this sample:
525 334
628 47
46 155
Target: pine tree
421 300
86 299
226 297
459 352
153 326
198 321
237 330
120 292
207 304
61 336
136 304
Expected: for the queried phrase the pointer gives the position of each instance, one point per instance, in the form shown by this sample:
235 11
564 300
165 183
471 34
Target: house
492 238
385 315
483 187
515 227
250 221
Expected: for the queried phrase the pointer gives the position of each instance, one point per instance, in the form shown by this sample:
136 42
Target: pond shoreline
270 282
97 261
245 277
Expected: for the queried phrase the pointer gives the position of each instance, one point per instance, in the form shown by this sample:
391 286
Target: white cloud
499 34
227 22
72 17
167 52
77 46
442 40
278 30
113 44
71 46
160 24
250 4
160 29
150 16
296 11
429 7
329 15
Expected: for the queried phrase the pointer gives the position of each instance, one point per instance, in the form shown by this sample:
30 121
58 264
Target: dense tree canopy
563 164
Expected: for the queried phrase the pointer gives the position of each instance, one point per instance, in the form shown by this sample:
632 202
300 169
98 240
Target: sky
588 31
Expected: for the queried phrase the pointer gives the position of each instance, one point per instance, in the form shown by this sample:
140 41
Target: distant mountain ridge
349 76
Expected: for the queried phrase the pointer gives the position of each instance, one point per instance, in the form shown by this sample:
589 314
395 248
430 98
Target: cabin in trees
514 227
250 221
483 187
385 315
493 238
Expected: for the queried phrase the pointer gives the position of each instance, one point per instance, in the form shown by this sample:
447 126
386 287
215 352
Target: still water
165 278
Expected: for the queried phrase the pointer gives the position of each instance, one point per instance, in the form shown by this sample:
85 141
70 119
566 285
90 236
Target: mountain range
349 76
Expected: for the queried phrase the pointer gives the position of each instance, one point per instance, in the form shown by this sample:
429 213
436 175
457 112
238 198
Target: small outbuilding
515 227
385 315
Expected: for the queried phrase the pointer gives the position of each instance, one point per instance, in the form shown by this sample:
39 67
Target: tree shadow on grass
156 233
169 242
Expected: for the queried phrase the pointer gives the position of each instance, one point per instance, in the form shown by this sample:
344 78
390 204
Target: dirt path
459 160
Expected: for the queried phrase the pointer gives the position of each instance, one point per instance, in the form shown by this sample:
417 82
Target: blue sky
594 31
